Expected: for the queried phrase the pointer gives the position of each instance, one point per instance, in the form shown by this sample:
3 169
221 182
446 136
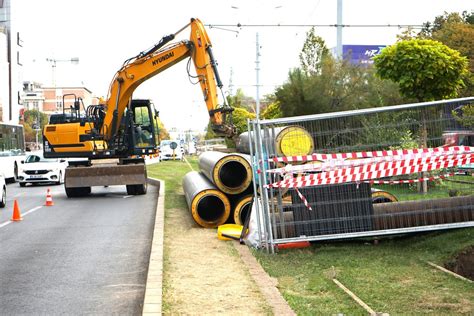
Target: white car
37 169
171 150
3 200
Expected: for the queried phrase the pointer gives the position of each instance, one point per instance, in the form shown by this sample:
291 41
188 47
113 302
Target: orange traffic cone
49 199
16 212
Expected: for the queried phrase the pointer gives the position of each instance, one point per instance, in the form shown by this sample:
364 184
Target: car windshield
39 158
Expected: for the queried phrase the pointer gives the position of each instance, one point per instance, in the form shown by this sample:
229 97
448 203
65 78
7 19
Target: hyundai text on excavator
112 134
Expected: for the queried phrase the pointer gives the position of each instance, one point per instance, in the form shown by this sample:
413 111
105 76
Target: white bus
12 150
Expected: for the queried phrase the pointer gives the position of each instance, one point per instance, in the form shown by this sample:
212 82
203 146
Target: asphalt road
81 256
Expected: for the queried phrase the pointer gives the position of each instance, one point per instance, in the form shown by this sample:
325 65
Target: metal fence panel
367 172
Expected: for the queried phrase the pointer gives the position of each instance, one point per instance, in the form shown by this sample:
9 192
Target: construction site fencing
368 172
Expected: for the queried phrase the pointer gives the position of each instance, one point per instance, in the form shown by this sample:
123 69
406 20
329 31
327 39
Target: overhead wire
239 25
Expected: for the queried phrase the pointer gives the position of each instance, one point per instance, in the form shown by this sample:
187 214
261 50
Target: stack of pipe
225 180
221 191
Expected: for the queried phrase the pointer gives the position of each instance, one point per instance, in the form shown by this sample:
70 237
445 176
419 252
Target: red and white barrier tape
305 201
349 175
370 169
373 154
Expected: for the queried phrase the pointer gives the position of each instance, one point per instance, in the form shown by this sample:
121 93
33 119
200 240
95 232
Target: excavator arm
159 58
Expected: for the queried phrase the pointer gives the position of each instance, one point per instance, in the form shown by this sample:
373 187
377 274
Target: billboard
361 54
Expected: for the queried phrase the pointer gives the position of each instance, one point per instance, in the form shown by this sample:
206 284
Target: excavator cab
141 127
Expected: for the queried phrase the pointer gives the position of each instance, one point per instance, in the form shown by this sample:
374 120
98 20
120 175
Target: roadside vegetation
390 276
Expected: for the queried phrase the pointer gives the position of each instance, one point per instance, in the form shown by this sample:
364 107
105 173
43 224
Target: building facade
58 98
10 65
32 97
51 100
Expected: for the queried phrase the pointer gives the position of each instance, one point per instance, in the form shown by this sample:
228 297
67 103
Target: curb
152 304
266 284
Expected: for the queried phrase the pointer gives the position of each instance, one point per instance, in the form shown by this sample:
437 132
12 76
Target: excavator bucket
103 175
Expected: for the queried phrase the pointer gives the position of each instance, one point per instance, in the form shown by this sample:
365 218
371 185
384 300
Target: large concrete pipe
288 141
231 173
209 206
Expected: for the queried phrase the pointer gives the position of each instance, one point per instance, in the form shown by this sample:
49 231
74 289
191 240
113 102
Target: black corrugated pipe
209 206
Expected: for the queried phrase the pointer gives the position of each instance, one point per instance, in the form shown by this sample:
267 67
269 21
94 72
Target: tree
161 130
239 117
272 111
457 32
240 100
424 69
441 21
466 118
313 52
340 86
322 84
33 122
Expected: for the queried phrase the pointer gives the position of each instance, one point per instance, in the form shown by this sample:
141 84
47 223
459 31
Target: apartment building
32 96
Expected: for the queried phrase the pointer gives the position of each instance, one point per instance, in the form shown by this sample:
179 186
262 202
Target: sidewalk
204 275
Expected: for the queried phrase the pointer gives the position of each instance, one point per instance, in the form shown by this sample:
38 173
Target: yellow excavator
112 134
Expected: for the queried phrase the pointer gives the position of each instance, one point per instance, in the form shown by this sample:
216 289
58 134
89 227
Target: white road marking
22 215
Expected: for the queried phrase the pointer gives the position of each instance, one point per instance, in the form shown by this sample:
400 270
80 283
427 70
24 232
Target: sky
102 34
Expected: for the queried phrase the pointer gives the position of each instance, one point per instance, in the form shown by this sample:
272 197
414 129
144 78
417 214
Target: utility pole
339 30
257 70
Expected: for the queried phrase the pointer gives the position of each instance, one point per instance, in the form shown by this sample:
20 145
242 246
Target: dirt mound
463 263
